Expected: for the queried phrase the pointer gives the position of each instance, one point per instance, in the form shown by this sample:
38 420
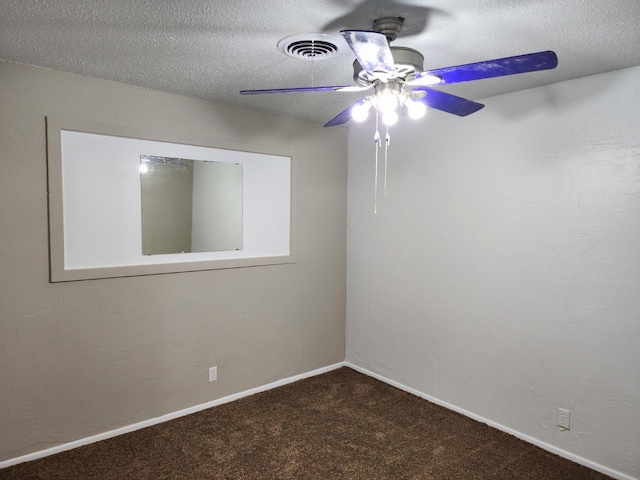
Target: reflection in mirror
190 205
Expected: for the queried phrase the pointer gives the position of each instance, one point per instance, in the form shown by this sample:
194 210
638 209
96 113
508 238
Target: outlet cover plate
564 416
213 374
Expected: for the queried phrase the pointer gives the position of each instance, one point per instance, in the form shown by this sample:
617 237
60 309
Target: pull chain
387 140
376 140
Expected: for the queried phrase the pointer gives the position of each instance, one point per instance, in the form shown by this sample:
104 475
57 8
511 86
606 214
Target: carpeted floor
339 425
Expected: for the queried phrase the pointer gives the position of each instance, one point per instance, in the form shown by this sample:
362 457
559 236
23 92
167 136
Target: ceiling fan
394 76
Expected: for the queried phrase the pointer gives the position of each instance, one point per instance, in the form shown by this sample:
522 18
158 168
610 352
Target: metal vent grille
310 46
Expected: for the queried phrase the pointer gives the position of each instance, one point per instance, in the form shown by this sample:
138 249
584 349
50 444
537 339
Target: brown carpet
339 425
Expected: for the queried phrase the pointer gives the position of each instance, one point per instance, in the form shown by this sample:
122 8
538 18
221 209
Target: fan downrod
390 27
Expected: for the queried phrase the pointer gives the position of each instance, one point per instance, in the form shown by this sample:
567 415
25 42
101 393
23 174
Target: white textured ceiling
211 49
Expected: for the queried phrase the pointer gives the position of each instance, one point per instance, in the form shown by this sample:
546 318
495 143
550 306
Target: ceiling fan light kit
395 76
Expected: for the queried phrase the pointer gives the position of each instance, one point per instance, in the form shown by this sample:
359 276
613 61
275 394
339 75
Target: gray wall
81 358
502 272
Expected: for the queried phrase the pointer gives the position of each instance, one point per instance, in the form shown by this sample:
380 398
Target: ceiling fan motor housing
407 61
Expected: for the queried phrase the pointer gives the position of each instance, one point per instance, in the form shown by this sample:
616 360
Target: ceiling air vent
311 46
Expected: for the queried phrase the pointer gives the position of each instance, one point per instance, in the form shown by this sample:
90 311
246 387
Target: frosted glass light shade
360 112
387 102
415 109
389 118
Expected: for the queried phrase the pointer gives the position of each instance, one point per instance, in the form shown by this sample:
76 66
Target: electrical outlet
213 374
563 418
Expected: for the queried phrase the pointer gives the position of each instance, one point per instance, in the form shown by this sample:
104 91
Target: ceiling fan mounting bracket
390 27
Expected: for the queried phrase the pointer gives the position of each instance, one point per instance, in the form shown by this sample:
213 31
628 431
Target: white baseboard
164 418
197 408
546 446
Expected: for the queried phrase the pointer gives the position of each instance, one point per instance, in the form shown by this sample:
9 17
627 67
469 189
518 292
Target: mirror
190 205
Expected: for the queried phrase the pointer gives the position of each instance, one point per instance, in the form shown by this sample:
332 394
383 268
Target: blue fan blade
448 103
372 51
294 90
344 116
531 62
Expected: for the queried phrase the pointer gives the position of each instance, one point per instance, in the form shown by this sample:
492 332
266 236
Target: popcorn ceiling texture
212 49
